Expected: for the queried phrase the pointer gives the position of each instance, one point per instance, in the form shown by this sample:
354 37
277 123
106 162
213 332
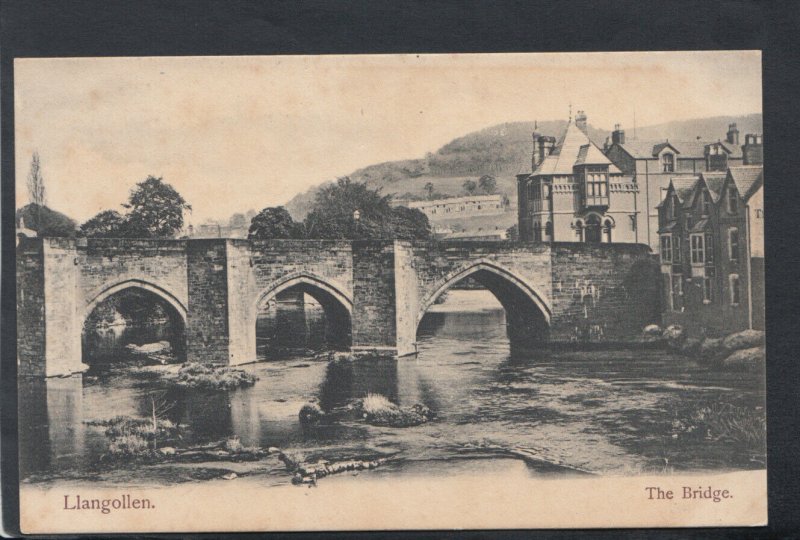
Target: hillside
504 150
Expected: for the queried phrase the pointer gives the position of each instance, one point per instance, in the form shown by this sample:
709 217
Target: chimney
618 135
753 149
733 134
580 121
546 145
535 159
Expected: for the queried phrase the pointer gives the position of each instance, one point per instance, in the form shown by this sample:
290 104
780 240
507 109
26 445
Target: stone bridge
374 292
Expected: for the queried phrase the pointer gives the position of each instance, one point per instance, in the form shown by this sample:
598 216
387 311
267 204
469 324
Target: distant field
448 185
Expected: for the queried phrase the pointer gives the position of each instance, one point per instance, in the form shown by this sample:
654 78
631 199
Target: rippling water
607 412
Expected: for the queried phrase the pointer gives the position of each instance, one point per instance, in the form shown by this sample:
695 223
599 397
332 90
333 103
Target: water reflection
604 411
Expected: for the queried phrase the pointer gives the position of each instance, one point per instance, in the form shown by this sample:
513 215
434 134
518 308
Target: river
600 412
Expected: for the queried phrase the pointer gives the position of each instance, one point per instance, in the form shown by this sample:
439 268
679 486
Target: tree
274 223
429 190
46 222
409 224
156 210
35 182
106 224
470 186
488 184
350 209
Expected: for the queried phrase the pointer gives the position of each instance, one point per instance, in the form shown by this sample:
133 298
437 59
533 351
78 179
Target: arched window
592 235
607 231
548 232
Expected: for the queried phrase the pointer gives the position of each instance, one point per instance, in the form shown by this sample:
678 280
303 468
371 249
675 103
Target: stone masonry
374 291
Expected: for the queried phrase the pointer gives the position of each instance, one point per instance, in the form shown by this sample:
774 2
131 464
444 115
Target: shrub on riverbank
379 411
194 375
735 424
128 437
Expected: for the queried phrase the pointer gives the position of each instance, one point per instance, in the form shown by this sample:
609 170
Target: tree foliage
470 187
156 210
488 184
35 181
46 222
274 223
106 224
429 189
334 214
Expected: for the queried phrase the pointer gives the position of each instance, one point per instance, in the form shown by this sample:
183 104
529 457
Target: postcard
371 292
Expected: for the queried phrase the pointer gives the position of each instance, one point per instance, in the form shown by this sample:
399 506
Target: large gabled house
575 193
653 163
705 241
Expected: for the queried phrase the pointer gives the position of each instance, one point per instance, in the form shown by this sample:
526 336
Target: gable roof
747 179
649 149
714 182
682 187
573 148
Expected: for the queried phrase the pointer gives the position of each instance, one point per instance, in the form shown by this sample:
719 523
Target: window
698 249
709 249
677 292
708 290
733 244
676 249
596 185
666 248
733 200
706 202
671 208
733 279
668 163
548 231
633 221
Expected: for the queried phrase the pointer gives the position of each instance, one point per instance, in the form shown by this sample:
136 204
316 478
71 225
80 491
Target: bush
736 424
379 411
135 436
754 358
194 375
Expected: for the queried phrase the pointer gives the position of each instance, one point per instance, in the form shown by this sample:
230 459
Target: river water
603 412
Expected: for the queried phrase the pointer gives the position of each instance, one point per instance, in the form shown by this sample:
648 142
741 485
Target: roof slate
747 179
573 148
649 149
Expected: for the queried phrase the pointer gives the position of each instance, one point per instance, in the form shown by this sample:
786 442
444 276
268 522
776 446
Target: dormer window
668 162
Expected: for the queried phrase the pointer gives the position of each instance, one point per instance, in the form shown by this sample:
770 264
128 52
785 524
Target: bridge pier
382 317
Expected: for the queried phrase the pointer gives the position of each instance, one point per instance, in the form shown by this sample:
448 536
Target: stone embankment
743 350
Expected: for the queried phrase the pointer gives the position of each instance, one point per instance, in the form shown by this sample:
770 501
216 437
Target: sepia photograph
394 291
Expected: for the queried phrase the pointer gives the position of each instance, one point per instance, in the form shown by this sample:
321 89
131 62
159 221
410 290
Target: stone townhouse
653 163
711 251
575 193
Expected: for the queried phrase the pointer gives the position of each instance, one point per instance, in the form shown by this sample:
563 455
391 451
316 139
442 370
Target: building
575 193
472 205
653 163
711 251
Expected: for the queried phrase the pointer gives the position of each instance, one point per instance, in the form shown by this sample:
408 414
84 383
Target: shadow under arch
336 303
139 292
528 312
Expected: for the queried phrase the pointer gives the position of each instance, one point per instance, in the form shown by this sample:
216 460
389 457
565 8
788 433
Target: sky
247 132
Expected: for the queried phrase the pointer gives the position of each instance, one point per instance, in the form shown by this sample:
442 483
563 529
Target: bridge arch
335 300
110 290
307 282
528 311
95 345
